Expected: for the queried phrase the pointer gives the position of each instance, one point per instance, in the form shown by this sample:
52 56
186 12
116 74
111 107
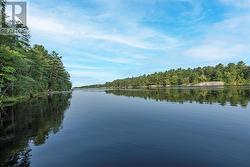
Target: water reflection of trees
30 121
234 96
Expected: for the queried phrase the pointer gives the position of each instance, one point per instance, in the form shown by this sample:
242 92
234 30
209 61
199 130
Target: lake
124 128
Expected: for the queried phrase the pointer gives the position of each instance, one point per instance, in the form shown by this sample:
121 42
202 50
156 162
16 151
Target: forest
27 70
231 74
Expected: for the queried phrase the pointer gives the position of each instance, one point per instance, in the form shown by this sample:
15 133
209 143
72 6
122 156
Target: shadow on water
232 95
30 121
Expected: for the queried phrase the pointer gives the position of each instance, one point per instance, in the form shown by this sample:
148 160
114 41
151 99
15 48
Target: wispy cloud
237 3
224 40
214 52
108 59
131 34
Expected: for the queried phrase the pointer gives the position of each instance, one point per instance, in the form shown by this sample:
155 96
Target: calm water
98 128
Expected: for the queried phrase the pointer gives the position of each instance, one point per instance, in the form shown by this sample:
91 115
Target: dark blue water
141 129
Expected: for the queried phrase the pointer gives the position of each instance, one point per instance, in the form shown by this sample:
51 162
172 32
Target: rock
210 84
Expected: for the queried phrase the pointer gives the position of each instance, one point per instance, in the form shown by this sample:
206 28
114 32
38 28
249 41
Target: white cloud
223 41
47 25
116 59
132 34
213 51
237 3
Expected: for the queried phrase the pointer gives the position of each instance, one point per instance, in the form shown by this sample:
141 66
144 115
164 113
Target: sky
103 40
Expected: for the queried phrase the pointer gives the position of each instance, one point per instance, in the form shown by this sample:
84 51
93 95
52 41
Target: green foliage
231 74
30 70
26 70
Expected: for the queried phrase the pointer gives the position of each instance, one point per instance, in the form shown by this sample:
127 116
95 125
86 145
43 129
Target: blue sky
102 40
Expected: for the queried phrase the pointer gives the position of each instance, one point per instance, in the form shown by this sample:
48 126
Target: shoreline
168 87
212 84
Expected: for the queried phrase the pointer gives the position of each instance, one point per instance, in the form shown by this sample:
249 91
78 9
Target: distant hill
92 86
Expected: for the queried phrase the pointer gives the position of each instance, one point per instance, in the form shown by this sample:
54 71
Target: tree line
231 74
26 70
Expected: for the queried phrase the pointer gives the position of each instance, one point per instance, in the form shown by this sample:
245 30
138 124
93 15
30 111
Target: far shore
189 86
